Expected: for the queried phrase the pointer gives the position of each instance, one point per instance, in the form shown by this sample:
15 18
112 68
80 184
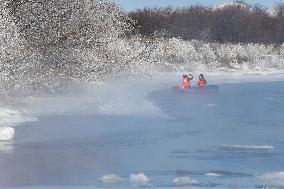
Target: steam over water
70 118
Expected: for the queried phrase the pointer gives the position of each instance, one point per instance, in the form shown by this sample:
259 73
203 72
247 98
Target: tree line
236 22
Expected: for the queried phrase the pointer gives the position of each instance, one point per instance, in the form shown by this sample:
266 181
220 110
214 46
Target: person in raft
202 81
186 81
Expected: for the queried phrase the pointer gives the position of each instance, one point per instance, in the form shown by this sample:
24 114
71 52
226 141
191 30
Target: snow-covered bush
197 55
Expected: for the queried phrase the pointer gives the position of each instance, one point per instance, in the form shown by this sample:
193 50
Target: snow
139 179
111 178
6 133
184 181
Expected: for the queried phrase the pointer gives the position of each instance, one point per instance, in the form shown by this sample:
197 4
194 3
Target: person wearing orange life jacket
202 81
186 81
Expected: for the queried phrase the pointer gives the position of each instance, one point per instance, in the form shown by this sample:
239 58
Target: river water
229 139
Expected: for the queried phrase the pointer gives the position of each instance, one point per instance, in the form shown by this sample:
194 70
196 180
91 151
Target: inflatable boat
196 89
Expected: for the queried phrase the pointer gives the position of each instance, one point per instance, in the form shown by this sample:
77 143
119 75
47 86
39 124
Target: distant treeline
236 22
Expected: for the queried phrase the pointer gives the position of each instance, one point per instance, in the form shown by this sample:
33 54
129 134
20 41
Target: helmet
185 76
201 76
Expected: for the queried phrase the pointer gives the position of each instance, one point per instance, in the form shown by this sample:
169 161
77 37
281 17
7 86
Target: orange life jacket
201 83
186 83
